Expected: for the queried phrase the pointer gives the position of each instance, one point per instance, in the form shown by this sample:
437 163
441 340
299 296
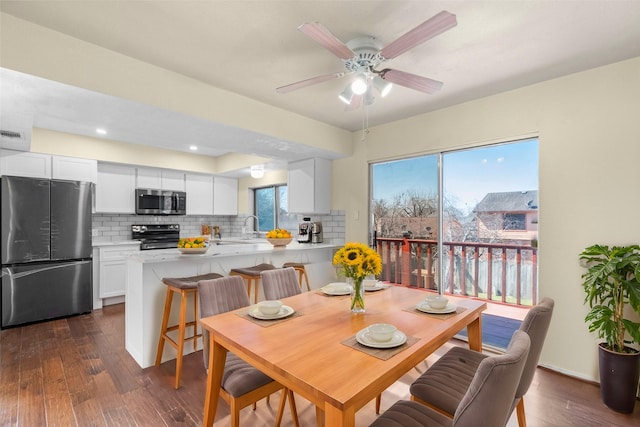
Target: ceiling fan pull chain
365 121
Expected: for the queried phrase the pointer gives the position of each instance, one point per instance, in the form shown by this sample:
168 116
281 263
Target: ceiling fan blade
321 35
308 82
412 81
420 34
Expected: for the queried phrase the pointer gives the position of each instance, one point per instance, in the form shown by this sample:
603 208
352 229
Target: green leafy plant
611 282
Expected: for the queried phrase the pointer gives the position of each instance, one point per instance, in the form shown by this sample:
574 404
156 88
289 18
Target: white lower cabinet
112 266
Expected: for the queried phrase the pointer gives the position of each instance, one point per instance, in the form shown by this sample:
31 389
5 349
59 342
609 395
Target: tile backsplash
117 227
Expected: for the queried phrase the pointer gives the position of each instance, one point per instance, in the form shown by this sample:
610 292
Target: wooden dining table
312 352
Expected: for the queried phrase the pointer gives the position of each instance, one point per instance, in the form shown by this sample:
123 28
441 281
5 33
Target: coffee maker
305 231
316 232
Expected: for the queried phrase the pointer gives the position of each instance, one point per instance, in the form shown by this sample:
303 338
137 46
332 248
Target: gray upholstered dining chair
443 385
486 402
280 283
276 284
242 384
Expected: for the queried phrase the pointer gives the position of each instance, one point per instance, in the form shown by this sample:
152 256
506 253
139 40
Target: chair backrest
280 283
219 296
488 400
536 325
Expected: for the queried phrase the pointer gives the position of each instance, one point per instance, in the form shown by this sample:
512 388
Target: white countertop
230 247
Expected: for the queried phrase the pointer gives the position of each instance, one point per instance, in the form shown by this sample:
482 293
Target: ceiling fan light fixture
383 87
346 95
369 98
359 85
257 171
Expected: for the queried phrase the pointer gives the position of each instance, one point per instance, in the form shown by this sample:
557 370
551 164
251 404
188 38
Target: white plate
337 288
364 338
376 287
285 311
424 307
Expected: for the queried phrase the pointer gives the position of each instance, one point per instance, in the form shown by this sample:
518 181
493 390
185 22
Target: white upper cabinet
160 179
309 186
116 188
199 194
225 196
173 180
74 169
149 178
24 163
37 165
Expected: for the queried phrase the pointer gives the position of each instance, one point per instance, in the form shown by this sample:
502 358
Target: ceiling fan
362 55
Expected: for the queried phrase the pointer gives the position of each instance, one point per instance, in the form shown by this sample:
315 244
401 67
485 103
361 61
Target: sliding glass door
480 240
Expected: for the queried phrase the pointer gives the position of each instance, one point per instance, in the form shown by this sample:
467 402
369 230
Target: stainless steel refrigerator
45 249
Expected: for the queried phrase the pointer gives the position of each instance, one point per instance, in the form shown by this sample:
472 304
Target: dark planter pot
619 374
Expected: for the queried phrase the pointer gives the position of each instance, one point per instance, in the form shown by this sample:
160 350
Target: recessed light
101 131
193 148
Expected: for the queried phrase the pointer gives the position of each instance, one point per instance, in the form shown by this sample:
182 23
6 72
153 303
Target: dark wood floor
76 372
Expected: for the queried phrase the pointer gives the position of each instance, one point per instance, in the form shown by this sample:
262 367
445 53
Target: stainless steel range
156 236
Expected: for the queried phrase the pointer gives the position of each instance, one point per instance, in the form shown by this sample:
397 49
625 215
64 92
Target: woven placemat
265 323
380 353
414 310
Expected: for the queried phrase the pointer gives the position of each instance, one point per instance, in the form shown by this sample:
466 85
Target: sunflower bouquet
357 261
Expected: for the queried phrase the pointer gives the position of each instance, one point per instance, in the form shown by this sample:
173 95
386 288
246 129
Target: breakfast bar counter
145 292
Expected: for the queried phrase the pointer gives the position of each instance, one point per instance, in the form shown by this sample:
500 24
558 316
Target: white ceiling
252 47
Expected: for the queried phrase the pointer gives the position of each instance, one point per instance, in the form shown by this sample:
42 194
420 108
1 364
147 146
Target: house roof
509 201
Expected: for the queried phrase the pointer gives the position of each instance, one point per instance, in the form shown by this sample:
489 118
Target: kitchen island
145 292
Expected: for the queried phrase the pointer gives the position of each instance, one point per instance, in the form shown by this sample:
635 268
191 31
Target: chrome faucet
245 233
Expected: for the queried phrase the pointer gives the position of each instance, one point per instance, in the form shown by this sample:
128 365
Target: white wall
589 158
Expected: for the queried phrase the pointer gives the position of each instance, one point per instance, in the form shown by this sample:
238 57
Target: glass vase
357 295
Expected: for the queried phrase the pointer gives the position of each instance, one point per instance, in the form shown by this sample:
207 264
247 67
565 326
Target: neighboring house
509 217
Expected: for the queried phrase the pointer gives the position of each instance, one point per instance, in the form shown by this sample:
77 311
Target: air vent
10 134
15 131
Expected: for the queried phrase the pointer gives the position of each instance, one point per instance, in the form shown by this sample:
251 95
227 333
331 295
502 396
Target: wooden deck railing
495 272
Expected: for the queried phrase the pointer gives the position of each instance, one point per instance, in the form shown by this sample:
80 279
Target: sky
468 175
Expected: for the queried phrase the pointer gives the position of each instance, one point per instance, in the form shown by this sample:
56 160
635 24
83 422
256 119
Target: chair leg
522 419
306 279
195 320
256 285
378 400
181 333
163 328
234 413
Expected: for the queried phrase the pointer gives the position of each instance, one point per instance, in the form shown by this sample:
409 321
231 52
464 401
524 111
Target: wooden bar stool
183 286
302 272
251 275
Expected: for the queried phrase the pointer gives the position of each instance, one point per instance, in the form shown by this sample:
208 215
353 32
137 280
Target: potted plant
612 284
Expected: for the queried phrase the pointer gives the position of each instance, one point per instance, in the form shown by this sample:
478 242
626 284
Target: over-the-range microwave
160 202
